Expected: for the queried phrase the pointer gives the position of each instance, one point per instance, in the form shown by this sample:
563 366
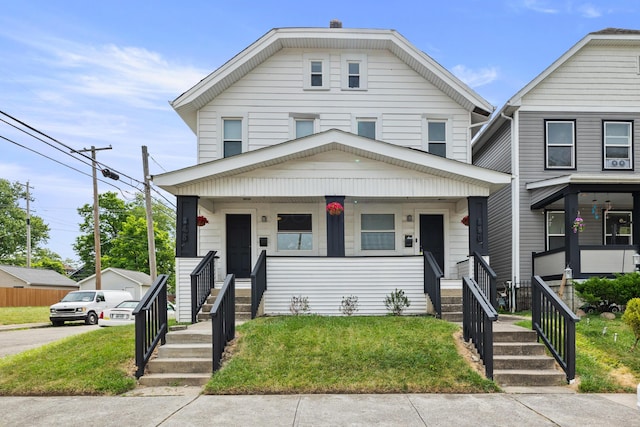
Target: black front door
239 245
432 237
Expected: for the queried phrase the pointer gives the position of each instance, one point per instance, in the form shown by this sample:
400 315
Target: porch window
560 144
295 232
617 226
555 229
377 232
367 128
232 139
617 145
437 138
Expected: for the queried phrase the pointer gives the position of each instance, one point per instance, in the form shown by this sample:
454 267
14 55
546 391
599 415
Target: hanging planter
334 208
201 220
578 224
465 220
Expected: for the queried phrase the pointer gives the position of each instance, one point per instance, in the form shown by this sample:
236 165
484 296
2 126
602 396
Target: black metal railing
432 276
258 283
555 324
203 280
223 319
151 322
478 316
486 279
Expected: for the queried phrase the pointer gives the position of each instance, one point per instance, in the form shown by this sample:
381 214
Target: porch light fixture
636 260
263 218
568 273
409 218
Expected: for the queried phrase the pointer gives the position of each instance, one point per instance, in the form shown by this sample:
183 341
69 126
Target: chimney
335 23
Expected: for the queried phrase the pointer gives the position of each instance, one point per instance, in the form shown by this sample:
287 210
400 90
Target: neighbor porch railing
432 276
151 322
485 277
555 324
203 280
478 316
223 319
258 283
594 260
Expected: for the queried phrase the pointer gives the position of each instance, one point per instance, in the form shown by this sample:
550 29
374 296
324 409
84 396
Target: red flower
465 220
201 220
334 208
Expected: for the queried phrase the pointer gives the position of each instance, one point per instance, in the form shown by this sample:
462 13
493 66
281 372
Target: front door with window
239 245
432 237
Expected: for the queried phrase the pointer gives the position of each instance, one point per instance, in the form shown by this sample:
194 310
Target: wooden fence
27 297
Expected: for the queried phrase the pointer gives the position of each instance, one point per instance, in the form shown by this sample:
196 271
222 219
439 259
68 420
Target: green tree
13 225
49 260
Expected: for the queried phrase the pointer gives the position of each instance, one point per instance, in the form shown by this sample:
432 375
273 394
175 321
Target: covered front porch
589 226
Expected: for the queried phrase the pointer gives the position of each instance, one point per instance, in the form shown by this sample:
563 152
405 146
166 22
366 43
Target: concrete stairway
451 305
519 360
243 305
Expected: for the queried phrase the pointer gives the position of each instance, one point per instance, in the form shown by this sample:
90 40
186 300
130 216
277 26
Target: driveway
17 341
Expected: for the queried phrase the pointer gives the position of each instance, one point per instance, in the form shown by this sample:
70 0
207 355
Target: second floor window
232 139
354 74
617 145
304 127
316 73
437 138
367 128
560 145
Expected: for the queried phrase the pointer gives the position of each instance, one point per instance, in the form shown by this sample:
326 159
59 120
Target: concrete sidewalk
187 407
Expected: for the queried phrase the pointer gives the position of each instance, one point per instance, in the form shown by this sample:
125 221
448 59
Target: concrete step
450 299
189 336
181 365
518 349
198 350
512 377
451 307
520 335
452 316
172 380
511 362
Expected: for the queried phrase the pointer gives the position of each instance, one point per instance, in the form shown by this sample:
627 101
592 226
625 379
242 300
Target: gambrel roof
180 182
187 104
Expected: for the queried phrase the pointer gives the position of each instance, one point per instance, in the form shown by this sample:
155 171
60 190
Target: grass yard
313 354
18 315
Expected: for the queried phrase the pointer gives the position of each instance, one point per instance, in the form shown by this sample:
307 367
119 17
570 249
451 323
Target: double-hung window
295 232
617 145
354 71
316 71
437 137
555 229
232 137
377 232
560 144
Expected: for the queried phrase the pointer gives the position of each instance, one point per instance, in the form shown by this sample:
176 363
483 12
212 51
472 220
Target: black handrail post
478 316
486 279
258 283
223 320
432 275
203 279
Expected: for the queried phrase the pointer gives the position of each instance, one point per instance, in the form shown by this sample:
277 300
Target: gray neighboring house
568 139
135 282
22 277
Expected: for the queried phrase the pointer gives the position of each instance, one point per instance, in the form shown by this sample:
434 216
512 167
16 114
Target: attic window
316 71
354 71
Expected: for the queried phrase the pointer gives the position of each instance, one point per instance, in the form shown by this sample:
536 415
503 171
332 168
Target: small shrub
349 305
619 290
631 317
299 305
396 302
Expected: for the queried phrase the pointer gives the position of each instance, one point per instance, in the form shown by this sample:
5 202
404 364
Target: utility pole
147 198
96 211
28 228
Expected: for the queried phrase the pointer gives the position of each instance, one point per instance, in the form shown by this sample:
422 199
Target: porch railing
555 324
486 279
223 319
478 316
151 322
258 283
432 276
203 280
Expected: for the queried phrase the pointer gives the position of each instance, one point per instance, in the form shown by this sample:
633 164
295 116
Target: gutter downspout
515 200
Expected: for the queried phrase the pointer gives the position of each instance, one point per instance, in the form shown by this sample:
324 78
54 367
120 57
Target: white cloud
540 6
475 78
589 11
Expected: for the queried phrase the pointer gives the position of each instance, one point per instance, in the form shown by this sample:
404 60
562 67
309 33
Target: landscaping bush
631 317
619 290
396 302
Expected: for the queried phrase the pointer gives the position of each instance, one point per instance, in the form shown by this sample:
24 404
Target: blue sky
103 73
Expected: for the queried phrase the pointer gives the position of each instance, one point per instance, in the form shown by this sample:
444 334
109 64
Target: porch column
335 229
571 241
186 240
635 217
478 225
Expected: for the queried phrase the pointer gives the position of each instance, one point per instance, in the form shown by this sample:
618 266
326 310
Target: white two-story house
306 117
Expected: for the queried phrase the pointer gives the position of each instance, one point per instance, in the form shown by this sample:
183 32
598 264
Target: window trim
360 58
377 210
604 226
546 228
243 127
324 58
294 117
546 144
631 167
425 131
357 118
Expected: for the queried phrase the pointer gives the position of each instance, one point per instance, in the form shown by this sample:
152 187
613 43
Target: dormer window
354 71
617 146
316 71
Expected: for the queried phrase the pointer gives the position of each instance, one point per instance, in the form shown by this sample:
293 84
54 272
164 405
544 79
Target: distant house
569 140
22 277
135 282
308 119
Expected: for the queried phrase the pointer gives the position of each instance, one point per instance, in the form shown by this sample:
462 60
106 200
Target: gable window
437 138
295 232
377 232
316 69
617 137
617 228
232 137
560 144
304 127
366 128
555 229
354 71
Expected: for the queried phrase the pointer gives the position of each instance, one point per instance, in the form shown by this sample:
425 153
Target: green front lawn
19 315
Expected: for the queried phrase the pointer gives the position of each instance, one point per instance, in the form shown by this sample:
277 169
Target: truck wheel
92 319
57 322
